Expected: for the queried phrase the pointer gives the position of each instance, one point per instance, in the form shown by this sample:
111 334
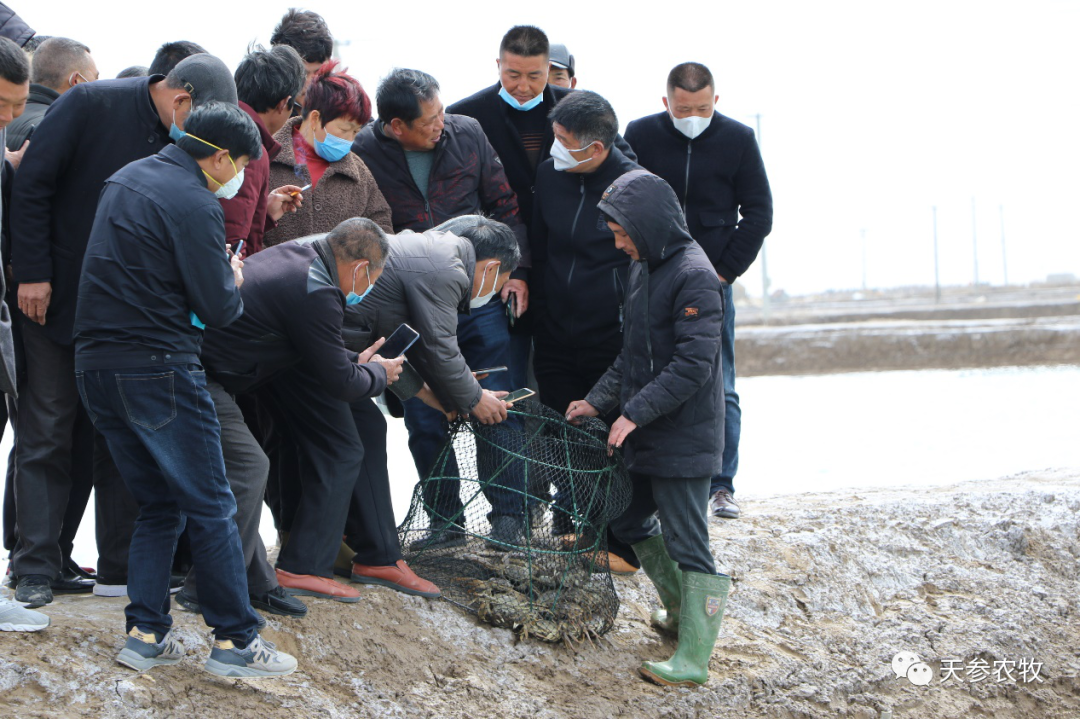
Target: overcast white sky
871 112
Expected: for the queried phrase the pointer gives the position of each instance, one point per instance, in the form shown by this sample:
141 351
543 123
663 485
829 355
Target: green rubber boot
704 597
666 577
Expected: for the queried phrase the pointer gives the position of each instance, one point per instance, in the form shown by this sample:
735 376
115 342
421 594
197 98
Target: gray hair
55 60
359 238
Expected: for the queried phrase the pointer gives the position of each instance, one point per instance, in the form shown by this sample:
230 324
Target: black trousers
567 374
682 507
57 457
371 529
331 457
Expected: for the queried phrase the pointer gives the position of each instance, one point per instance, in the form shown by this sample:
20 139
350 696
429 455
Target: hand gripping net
512 522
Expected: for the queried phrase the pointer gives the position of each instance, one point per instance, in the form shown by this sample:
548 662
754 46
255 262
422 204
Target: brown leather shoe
310 585
396 576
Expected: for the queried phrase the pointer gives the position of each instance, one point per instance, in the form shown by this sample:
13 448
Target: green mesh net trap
511 523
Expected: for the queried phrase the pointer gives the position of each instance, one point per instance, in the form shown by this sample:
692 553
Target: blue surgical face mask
333 148
175 133
352 298
512 102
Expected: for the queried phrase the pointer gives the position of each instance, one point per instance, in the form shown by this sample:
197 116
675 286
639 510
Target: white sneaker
16 618
260 658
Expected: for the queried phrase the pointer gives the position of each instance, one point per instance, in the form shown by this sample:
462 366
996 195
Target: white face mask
691 126
563 159
230 188
481 299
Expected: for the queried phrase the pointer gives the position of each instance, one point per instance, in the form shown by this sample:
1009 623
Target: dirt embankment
828 588
1006 328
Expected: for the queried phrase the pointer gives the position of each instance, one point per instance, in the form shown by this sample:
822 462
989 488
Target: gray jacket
7 344
427 281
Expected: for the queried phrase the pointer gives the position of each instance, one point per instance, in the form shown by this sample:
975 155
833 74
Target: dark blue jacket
293 317
717 176
93 130
156 254
575 262
667 377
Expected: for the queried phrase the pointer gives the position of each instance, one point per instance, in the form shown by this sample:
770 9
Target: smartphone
490 370
511 308
399 342
518 395
239 246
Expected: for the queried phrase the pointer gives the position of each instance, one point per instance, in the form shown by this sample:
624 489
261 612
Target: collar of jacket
41 95
348 166
270 145
665 121
147 112
175 155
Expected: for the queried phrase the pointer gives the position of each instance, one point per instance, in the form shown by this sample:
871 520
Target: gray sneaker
722 504
14 618
142 652
259 659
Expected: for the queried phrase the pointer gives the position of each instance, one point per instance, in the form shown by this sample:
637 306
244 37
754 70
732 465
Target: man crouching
667 380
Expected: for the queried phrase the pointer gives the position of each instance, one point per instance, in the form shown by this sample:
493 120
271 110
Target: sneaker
191 604
278 601
14 618
34 590
142 650
311 585
260 658
722 504
396 576
507 532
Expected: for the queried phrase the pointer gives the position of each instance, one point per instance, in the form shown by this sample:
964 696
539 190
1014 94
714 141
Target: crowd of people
198 289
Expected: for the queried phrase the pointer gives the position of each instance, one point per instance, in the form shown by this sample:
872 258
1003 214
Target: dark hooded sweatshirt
667 377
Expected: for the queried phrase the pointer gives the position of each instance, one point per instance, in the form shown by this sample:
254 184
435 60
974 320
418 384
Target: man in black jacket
287 351
576 264
90 132
156 270
58 65
714 165
668 384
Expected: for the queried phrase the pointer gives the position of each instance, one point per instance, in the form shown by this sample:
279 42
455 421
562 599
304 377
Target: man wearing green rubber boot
667 380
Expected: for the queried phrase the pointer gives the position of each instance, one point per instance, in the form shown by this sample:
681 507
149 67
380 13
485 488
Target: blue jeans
732 413
164 435
484 341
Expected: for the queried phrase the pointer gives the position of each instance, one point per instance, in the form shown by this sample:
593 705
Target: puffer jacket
667 377
426 282
347 189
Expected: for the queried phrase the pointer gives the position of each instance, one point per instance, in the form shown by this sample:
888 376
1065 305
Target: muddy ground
828 588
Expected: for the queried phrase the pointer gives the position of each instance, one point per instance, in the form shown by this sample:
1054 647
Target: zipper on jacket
686 194
573 262
620 294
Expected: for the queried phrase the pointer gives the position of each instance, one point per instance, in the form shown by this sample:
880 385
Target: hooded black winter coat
667 377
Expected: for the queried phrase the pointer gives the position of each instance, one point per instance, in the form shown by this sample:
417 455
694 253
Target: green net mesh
511 523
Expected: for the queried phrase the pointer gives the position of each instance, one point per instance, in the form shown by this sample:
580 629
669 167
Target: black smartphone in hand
399 342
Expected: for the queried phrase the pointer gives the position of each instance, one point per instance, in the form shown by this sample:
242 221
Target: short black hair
170 54
359 238
526 41
55 60
224 125
400 93
133 71
14 65
492 240
307 33
690 76
266 77
589 116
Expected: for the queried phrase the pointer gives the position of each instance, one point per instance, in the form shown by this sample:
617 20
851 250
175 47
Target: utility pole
1004 256
764 258
864 260
937 280
974 242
